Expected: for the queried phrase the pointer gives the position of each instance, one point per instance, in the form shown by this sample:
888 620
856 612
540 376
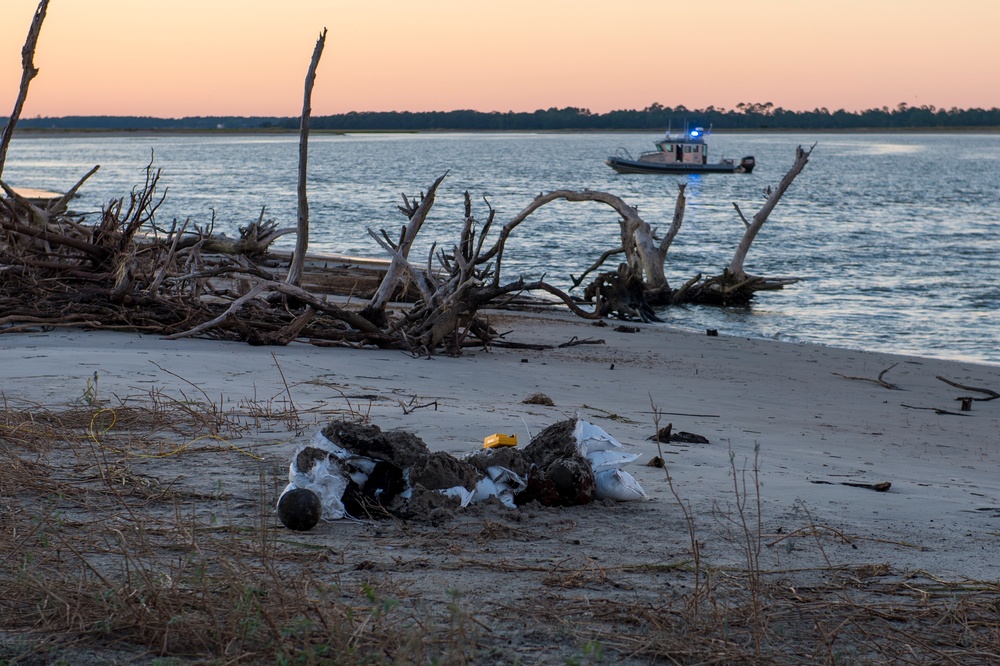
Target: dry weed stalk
685 507
98 552
856 614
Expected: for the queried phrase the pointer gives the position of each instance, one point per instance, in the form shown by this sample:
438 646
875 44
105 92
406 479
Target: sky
249 57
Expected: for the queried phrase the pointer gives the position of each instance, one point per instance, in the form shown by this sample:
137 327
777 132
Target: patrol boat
683 153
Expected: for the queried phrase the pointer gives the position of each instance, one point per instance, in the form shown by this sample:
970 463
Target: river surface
896 237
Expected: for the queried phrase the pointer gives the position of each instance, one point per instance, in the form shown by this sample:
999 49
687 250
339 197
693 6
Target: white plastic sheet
606 455
619 485
501 483
326 478
591 438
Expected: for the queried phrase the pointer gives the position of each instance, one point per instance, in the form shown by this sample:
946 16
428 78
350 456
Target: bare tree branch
736 265
28 72
302 237
375 310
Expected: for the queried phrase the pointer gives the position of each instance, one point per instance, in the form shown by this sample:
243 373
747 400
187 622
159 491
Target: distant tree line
749 116
130 123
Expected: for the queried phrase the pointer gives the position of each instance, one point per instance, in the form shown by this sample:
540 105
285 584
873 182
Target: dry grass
144 532
100 554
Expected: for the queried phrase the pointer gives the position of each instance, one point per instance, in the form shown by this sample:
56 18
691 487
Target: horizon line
754 108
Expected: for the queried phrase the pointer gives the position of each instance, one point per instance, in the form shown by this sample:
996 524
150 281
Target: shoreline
816 414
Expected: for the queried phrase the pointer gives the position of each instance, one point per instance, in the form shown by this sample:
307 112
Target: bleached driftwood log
753 228
640 281
302 237
734 286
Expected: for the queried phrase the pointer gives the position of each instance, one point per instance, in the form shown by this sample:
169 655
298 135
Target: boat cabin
689 148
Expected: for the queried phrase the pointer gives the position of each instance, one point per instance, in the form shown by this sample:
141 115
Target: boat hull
622 165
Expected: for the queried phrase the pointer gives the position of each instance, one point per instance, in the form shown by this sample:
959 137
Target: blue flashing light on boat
695 132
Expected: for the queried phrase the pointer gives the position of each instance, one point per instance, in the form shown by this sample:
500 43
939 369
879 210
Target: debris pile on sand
356 470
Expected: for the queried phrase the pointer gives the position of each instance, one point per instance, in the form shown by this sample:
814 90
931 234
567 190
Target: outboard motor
747 164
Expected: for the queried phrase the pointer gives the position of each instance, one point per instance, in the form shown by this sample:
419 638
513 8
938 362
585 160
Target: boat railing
622 153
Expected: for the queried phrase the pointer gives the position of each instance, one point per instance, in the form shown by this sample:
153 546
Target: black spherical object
299 509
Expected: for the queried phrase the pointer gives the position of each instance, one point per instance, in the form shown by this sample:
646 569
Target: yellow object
498 440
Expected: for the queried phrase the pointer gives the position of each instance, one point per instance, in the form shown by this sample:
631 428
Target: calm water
896 237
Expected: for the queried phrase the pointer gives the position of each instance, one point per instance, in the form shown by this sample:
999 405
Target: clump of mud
426 506
559 476
438 471
400 448
508 456
310 456
556 441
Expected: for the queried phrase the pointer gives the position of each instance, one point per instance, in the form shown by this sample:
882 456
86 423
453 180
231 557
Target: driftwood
416 211
126 272
881 382
302 233
452 291
936 410
639 283
28 72
735 269
993 395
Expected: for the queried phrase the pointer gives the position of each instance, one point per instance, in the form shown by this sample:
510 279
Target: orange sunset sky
249 57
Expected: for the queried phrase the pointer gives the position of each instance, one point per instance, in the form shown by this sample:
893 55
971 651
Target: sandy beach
807 431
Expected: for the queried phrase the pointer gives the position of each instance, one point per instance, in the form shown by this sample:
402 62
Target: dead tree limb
642 254
416 210
428 325
577 281
286 334
302 237
95 253
233 308
28 72
993 395
678 219
735 269
881 382
262 286
39 215
58 207
418 277
936 410
734 286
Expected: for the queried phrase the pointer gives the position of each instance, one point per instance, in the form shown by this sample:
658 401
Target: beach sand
795 424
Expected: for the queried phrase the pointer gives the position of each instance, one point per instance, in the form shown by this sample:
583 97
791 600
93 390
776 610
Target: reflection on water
896 236
893 149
